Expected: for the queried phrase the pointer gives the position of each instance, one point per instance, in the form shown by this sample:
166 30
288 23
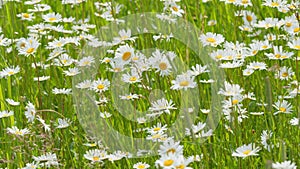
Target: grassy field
149 84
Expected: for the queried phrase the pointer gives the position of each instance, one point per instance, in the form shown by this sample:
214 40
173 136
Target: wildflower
6 113
26 16
183 81
63 123
9 71
30 112
284 73
284 165
95 155
125 52
283 107
61 91
100 85
72 71
246 150
14 130
212 39
52 17
161 106
47 159
141 165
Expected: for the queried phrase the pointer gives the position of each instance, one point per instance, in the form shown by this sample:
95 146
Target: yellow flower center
163 66
288 24
296 30
96 158
141 166
254 52
282 109
172 150
156 136
285 74
211 40
297 47
26 15
219 56
184 83
245 1
19 133
274 4
59 44
235 101
30 50
52 19
181 166
124 37
156 129
126 56
168 162
175 8
265 47
249 18
100 86
10 72
132 79
277 56
117 69
247 152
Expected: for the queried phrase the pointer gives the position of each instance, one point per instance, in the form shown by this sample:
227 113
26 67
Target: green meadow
168 84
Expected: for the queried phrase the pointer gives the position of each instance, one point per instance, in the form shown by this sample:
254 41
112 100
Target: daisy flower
30 112
294 44
15 131
130 97
279 54
26 16
72 71
283 107
12 102
86 61
27 46
40 8
161 106
284 73
211 39
47 159
84 84
158 128
61 91
141 165
95 155
183 81
246 150
284 165
52 17
32 2
267 23
265 136
123 36
175 10
6 113
125 52
100 85
41 78
294 121
257 66
132 77
9 71
105 115
167 161
231 89
63 123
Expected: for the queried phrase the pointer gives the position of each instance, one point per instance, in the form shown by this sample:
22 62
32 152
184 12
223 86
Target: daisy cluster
38 64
